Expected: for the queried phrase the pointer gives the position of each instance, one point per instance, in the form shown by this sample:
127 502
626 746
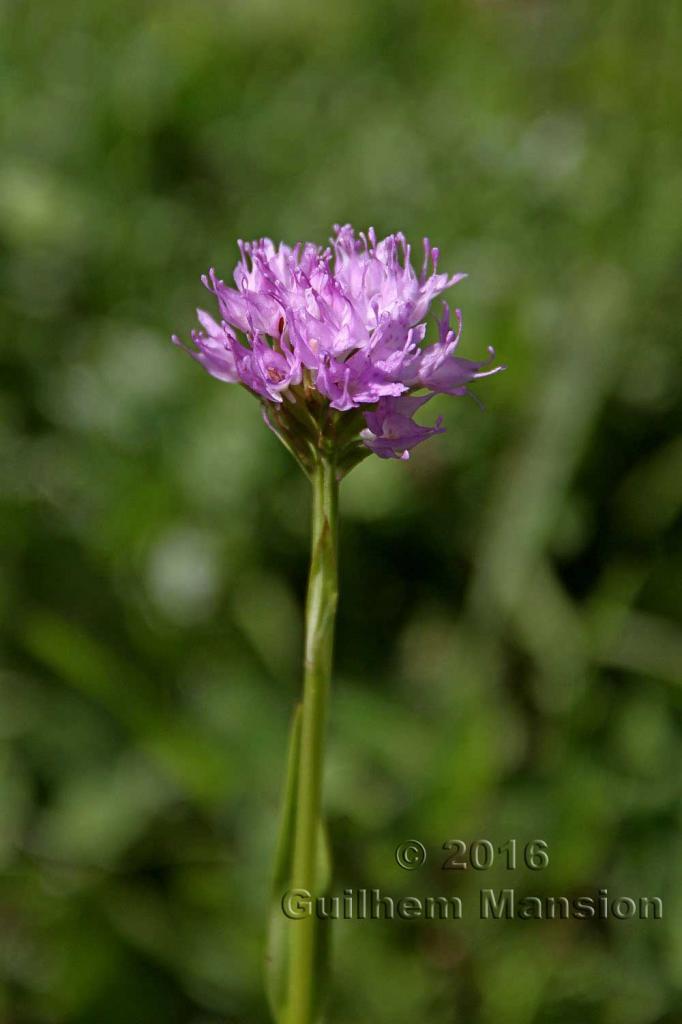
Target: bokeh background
508 663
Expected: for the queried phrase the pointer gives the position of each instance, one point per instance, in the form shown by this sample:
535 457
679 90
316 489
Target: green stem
319 637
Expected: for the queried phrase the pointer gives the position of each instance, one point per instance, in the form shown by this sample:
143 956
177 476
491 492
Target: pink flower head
323 334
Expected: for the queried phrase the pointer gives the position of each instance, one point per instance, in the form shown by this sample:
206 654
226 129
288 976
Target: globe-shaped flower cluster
333 341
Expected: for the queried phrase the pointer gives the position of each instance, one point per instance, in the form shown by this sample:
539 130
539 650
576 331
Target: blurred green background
508 663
